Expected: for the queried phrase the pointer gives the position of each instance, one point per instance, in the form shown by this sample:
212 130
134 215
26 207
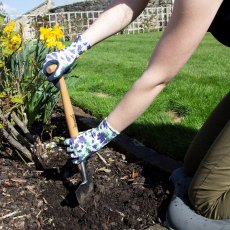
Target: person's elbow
159 77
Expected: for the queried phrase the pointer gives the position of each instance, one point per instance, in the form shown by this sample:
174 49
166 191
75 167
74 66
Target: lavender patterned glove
65 58
90 141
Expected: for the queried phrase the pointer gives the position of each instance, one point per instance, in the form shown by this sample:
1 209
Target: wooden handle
69 116
68 108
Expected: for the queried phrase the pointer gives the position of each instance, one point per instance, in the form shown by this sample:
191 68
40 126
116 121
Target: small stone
40 203
113 224
135 207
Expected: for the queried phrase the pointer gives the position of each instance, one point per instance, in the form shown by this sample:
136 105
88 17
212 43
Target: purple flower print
101 137
65 58
90 141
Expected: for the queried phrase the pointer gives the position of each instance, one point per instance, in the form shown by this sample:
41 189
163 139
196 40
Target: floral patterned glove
65 58
90 141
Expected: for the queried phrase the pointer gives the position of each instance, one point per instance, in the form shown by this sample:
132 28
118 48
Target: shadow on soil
62 174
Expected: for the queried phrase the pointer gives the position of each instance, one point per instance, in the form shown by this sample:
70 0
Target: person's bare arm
116 17
189 22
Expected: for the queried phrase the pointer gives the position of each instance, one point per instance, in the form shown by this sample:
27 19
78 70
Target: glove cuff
111 128
103 134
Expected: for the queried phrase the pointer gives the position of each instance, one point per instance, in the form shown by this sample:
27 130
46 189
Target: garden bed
126 194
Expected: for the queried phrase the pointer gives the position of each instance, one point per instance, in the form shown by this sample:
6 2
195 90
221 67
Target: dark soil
125 194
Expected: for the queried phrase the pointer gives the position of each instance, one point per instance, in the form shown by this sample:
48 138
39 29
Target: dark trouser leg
207 135
209 158
209 191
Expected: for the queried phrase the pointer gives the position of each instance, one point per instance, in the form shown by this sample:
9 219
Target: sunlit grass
107 71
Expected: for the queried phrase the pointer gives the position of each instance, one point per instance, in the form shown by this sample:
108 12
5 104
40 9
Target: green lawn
108 70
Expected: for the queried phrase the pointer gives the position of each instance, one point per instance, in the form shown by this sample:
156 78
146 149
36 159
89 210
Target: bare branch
16 144
13 131
22 126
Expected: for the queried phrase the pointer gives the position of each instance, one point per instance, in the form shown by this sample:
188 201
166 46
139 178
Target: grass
108 70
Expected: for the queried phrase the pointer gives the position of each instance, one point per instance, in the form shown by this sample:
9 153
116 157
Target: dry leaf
18 180
124 178
6 183
134 175
103 169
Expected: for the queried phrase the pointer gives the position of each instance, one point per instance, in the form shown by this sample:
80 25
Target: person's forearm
188 25
136 101
116 17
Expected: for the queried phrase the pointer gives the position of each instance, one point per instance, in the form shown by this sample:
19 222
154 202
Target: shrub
25 95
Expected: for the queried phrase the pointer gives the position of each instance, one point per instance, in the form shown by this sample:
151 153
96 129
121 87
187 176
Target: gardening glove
90 141
64 59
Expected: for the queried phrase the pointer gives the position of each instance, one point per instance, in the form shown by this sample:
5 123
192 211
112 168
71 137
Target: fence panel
73 23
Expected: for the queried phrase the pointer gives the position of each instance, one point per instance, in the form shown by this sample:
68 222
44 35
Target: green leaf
2 94
17 99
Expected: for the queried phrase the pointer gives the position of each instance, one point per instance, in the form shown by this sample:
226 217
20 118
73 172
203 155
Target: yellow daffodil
16 40
9 27
60 45
5 43
51 37
57 31
51 42
45 33
11 43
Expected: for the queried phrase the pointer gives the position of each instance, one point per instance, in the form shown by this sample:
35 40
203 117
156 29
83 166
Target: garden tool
85 186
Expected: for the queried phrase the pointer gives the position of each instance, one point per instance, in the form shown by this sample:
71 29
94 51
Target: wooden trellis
72 23
151 19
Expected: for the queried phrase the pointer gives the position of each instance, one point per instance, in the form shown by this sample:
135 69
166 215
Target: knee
199 205
201 202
